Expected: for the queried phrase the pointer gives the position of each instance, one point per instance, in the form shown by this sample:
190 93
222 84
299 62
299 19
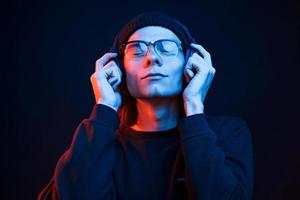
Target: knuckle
97 62
91 77
97 75
191 59
111 64
194 55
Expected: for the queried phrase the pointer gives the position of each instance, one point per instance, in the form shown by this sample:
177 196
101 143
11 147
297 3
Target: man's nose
152 58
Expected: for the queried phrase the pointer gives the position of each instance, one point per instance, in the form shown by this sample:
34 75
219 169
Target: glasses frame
153 44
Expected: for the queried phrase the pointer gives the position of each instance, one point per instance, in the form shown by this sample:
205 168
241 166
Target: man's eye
138 54
167 47
135 51
166 51
163 50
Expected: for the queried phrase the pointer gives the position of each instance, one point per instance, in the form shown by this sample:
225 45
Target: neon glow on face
154 74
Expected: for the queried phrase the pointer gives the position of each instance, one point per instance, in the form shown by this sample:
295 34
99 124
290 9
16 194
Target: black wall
49 52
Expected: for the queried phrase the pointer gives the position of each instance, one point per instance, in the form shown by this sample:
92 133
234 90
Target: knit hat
152 18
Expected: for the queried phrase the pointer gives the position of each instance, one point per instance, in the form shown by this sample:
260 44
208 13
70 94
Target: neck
156 114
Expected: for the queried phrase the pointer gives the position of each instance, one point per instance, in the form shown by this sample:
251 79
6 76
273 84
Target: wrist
192 107
106 104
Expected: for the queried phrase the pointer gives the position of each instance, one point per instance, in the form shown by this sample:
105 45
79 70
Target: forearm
84 171
207 173
217 171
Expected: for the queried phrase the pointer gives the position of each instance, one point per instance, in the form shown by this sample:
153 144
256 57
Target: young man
148 136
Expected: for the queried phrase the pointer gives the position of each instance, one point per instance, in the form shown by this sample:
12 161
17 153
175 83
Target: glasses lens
166 47
135 49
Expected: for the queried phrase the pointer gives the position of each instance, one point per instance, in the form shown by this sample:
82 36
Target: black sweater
204 157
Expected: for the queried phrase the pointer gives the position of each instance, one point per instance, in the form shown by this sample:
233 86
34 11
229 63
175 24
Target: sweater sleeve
84 171
218 166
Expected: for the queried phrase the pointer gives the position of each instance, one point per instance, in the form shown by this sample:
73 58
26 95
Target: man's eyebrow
137 41
174 39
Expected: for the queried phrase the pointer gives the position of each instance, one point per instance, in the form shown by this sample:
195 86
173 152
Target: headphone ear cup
192 39
188 54
119 60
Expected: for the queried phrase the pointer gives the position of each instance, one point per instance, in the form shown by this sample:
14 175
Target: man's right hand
106 80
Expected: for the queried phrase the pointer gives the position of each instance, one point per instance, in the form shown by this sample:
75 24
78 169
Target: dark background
50 49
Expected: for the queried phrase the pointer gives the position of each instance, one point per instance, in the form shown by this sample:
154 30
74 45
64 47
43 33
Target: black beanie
152 18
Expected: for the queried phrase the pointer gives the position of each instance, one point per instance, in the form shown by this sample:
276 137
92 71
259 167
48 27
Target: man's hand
105 81
199 74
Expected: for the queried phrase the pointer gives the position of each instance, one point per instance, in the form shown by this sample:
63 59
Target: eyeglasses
164 47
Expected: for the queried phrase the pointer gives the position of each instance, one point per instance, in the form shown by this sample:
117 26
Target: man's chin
156 95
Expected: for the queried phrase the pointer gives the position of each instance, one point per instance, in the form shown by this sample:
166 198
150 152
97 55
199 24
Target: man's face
170 84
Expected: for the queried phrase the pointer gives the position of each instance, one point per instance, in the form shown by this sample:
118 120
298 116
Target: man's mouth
154 75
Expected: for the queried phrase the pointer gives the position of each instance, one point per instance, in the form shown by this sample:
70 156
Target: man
148 136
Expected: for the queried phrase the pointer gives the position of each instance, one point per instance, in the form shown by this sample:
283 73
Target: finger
117 78
116 84
116 71
200 49
110 68
188 74
114 77
113 71
103 60
197 58
199 61
197 64
112 80
206 54
110 64
108 72
120 72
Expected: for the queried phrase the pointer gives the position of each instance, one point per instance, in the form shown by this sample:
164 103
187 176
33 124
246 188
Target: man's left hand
199 74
